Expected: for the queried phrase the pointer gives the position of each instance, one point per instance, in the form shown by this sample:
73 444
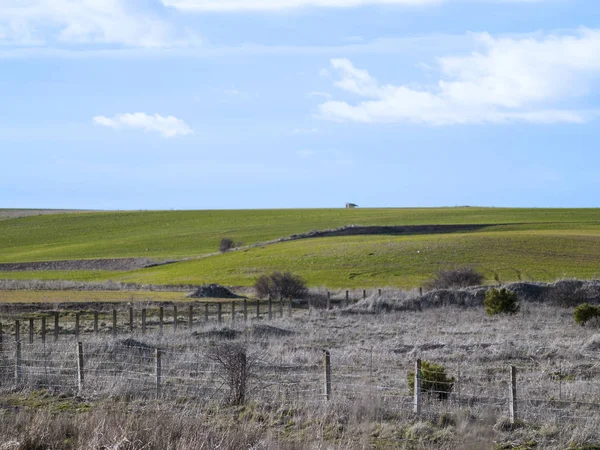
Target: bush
584 313
455 278
281 285
226 245
434 381
501 301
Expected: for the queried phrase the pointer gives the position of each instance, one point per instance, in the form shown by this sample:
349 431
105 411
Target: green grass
539 244
175 234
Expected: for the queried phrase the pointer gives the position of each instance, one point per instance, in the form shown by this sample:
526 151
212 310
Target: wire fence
200 371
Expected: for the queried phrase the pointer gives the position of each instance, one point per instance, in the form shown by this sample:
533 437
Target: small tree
584 313
501 301
434 381
281 285
455 278
232 358
226 245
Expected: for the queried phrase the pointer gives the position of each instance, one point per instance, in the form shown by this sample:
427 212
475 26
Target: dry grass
559 385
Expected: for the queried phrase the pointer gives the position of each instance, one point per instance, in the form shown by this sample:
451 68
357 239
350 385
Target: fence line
134 369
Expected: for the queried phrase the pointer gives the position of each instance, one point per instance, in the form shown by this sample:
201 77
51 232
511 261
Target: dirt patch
117 264
212 291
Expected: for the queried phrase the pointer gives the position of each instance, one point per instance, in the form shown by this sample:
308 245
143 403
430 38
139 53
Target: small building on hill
351 206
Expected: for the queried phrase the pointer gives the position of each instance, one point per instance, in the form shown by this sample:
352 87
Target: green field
537 244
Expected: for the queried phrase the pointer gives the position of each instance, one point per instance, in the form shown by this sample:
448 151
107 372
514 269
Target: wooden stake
144 320
56 327
43 332
258 309
245 310
77 325
233 311
191 316
364 294
161 318
131 319
512 396
347 298
174 317
80 366
417 388
18 361
328 300
219 312
327 373
206 305
17 331
114 323
270 309
280 307
31 330
95 322
158 356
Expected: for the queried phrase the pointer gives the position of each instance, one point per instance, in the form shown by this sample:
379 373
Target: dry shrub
281 285
455 278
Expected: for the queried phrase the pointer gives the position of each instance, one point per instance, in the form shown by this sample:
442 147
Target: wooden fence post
191 316
290 312
31 330
43 332
131 319
95 322
144 320
280 307
56 327
347 298
206 306
219 313
328 300
158 355
17 331
175 317
80 366
114 323
512 396
270 308
421 291
327 373
245 310
76 325
1 339
232 311
379 292
417 388
18 367
364 294
258 309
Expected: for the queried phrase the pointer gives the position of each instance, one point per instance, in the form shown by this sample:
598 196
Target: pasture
505 244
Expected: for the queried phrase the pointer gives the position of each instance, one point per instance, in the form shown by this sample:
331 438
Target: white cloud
276 5
513 79
144 23
167 127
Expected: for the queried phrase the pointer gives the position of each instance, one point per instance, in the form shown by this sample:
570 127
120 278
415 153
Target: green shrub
585 312
434 381
501 301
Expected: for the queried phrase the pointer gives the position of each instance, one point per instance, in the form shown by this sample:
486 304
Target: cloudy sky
211 104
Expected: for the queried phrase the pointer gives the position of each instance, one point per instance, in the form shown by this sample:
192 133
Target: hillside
540 244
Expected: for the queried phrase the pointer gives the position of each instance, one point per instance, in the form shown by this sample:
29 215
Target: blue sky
213 104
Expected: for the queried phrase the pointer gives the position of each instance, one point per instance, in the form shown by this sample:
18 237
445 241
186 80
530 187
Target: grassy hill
541 244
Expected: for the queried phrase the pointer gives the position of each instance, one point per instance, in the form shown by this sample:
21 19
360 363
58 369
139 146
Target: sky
231 104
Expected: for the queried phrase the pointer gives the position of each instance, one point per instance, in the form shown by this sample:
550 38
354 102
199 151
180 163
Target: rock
212 291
